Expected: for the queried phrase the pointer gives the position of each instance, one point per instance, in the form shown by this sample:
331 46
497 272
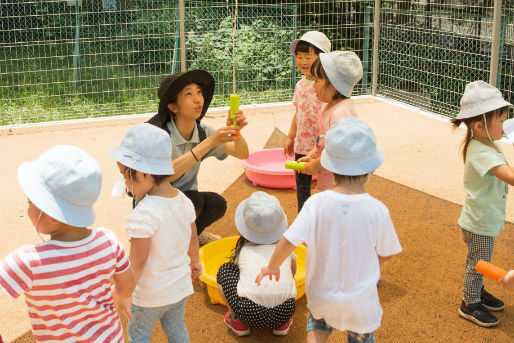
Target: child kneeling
261 222
348 234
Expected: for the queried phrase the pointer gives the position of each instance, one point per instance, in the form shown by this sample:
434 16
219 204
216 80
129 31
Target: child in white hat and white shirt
261 222
163 238
335 74
67 279
348 234
304 125
486 175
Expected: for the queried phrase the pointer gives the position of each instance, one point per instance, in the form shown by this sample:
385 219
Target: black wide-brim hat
173 84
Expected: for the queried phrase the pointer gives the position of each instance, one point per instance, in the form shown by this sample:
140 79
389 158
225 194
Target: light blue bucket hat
343 68
145 148
351 148
64 182
260 218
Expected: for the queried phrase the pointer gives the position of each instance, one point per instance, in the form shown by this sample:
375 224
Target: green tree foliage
262 58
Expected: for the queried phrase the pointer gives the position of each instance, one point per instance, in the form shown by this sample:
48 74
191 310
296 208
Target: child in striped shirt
67 279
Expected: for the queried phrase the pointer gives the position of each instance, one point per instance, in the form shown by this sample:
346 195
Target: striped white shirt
67 287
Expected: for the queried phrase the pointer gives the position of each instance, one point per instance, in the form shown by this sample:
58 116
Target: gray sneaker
477 314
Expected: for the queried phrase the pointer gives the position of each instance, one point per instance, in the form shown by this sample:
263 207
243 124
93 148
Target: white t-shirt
344 234
166 277
270 293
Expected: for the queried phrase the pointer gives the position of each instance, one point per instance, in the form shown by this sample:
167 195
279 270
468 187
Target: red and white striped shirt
67 287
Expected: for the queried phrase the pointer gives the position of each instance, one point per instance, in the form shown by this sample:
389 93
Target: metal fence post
376 35
182 36
495 46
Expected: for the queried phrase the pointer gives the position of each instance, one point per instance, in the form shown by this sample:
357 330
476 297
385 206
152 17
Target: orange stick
490 270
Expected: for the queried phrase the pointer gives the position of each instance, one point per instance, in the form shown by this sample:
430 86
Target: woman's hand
239 117
289 147
225 134
267 271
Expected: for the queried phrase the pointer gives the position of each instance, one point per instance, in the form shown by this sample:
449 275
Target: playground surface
420 182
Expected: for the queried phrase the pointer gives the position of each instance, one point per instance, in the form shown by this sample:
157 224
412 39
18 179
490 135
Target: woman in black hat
184 99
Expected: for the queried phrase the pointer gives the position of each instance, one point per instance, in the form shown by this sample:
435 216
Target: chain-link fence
430 50
85 58
90 58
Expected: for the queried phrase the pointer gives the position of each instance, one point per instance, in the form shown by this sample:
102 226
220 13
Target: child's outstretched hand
310 168
196 270
508 281
122 304
267 271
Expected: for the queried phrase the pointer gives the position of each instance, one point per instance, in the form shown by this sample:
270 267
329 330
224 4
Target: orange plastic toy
490 270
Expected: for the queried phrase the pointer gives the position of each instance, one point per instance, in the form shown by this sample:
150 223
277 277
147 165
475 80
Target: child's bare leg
224 299
317 336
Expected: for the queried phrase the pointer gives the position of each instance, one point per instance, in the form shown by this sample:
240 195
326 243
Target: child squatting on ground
335 75
348 234
67 279
304 125
163 237
261 222
486 175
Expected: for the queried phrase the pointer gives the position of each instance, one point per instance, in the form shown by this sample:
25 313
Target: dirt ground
421 288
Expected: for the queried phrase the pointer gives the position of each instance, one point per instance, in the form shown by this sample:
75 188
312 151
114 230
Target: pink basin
267 168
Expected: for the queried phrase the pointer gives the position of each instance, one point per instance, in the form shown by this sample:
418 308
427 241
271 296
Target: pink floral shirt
328 118
308 109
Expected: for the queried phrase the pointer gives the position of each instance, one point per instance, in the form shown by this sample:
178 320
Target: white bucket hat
351 148
343 68
145 148
479 98
316 38
64 182
260 218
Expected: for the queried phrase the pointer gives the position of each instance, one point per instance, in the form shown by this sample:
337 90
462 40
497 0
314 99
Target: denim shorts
171 316
353 337
318 324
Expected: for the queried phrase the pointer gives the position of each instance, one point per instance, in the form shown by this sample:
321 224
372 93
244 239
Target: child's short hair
345 179
157 178
306 47
318 72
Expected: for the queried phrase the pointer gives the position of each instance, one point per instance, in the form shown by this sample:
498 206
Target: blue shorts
353 337
318 324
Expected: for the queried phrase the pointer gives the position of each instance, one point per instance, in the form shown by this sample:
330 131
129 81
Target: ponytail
468 121
237 249
469 133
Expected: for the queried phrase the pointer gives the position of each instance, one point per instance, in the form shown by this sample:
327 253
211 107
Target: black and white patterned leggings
251 314
479 248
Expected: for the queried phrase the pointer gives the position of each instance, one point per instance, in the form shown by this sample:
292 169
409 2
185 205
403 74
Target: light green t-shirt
484 210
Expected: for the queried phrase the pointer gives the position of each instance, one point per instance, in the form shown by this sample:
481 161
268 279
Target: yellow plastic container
214 254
